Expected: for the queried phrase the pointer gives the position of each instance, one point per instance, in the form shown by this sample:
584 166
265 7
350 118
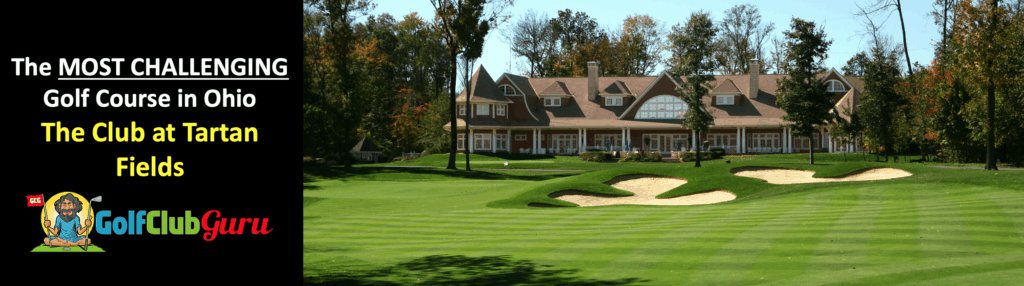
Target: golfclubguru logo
67 220
160 223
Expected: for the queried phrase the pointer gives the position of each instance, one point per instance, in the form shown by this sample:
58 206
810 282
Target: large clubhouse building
568 115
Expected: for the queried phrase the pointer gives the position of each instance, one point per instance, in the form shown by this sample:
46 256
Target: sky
841 25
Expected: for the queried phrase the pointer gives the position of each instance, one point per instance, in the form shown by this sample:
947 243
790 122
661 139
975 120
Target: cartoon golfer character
68 226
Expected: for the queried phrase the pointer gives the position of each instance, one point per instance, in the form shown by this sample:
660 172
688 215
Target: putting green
44 248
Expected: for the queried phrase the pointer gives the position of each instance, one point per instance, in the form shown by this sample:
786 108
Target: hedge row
595 156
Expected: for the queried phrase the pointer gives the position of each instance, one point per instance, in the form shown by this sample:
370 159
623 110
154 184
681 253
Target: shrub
642 157
595 156
717 153
691 156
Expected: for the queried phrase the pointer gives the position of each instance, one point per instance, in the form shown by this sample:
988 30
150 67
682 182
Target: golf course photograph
487 142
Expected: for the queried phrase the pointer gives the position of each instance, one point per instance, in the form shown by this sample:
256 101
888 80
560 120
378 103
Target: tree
532 38
695 58
776 64
742 38
335 96
881 7
855 66
574 33
880 102
640 45
802 95
463 31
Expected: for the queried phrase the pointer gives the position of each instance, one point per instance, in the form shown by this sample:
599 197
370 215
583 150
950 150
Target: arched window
507 89
662 107
835 86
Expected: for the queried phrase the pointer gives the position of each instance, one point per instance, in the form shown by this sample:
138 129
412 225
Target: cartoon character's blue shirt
68 229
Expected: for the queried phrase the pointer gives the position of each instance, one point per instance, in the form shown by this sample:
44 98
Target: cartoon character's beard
68 218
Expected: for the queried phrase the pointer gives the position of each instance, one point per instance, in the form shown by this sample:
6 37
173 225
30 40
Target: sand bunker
645 188
787 176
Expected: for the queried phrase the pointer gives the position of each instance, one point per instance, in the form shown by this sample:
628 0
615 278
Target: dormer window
507 90
726 100
835 86
483 109
613 101
552 102
462 109
501 110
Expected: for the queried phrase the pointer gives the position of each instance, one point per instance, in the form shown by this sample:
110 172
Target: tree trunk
455 122
812 149
469 94
906 50
698 149
990 157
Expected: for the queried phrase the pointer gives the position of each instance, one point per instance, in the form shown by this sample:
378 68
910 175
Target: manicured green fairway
440 227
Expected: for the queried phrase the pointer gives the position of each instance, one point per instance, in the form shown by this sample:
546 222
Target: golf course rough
781 176
645 188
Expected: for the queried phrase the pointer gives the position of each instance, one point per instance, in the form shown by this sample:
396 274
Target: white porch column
534 141
493 108
743 141
579 139
738 134
629 134
472 141
494 136
584 147
785 140
829 135
623 138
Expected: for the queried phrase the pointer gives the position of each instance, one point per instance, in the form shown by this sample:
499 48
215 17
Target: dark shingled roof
484 88
556 88
726 87
365 145
616 88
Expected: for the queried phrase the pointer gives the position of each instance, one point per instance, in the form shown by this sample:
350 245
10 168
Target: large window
665 142
608 141
501 109
483 109
804 143
507 89
501 140
764 142
481 141
613 101
835 86
462 142
662 107
552 101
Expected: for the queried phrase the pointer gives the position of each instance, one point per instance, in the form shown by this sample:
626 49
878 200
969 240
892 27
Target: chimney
592 81
755 70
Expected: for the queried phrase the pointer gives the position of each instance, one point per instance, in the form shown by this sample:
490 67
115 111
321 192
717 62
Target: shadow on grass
306 187
306 201
399 174
463 270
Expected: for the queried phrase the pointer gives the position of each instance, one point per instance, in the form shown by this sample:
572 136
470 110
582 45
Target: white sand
645 189
786 176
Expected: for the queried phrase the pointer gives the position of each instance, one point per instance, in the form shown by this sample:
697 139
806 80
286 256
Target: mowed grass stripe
450 233
1011 208
922 270
733 262
359 229
810 245
657 241
942 230
692 252
509 239
895 237
579 247
988 227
